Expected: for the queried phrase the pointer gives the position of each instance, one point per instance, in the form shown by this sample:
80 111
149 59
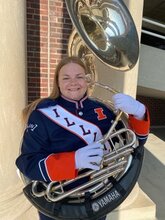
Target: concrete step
152 176
141 208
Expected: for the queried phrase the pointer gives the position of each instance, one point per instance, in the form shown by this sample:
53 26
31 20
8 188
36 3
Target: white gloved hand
129 105
89 156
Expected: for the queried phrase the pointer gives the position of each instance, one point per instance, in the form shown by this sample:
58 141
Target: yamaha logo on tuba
106 200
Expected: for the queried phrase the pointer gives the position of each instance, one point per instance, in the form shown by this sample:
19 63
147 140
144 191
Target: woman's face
72 82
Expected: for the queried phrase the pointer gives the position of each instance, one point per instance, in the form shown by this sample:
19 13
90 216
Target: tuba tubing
95 176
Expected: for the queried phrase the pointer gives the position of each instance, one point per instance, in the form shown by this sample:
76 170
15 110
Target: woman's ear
88 79
90 84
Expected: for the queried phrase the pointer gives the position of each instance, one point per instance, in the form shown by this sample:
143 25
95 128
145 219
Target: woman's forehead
72 68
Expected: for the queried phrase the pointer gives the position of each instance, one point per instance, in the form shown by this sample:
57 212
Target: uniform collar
72 103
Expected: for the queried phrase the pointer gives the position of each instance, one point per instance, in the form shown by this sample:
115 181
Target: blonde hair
55 90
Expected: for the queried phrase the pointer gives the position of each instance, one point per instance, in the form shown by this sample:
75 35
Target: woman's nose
73 81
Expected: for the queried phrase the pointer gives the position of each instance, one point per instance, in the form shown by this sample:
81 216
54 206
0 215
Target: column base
141 208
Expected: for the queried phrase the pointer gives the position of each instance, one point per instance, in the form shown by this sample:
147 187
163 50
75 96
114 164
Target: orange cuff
140 127
61 166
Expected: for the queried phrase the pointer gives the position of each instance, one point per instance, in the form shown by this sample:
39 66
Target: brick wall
33 49
48 30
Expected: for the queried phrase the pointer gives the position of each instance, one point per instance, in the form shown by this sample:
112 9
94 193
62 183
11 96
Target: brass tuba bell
107 29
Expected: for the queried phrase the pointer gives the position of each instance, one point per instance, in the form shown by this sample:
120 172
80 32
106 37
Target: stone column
137 202
12 101
123 81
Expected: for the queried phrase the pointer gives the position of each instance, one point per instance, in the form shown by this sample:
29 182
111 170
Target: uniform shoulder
45 103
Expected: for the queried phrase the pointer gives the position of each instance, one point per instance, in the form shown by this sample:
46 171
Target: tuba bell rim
122 49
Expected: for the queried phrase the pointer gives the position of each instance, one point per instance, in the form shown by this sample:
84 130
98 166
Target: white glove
89 156
129 105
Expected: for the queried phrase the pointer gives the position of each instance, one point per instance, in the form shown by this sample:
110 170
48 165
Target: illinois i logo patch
100 114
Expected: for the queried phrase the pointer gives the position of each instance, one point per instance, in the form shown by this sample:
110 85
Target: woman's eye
77 77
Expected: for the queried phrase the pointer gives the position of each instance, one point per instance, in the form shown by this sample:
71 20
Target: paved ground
152 177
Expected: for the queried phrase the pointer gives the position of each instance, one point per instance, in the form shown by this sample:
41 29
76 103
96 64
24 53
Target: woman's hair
55 90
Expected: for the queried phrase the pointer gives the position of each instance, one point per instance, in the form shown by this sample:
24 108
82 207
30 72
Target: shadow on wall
159 132
156 108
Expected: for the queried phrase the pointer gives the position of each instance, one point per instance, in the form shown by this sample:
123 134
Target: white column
12 100
137 203
123 81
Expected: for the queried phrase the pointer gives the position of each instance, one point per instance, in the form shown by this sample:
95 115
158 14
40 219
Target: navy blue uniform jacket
57 128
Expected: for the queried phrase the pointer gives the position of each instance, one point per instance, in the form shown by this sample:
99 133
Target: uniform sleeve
36 161
140 127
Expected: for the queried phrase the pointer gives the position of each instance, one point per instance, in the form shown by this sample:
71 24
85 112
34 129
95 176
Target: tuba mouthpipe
79 188
106 137
106 87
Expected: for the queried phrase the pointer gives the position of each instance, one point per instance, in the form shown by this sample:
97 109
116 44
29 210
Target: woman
63 129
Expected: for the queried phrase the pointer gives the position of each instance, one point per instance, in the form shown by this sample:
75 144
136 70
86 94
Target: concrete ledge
142 208
31 213
152 177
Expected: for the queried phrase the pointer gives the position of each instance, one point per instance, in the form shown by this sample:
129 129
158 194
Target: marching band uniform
57 128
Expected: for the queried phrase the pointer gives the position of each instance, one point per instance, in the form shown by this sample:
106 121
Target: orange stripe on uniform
140 127
61 166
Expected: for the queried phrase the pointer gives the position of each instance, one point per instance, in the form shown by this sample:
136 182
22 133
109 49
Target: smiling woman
63 137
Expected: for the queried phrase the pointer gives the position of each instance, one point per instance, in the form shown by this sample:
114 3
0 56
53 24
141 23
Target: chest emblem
100 114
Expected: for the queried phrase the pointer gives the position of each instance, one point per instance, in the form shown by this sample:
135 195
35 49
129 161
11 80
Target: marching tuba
103 29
